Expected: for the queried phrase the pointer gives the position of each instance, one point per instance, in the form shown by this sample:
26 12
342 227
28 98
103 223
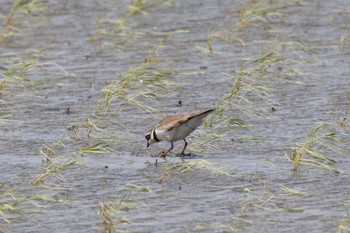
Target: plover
175 128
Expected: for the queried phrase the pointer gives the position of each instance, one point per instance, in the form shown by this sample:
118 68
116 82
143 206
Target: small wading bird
175 128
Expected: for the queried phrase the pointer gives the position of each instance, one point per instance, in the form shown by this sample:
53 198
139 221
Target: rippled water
244 188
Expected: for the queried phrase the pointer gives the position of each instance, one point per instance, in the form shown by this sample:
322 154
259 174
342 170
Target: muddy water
250 197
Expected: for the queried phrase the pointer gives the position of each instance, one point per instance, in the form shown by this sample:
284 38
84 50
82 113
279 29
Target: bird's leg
164 153
183 150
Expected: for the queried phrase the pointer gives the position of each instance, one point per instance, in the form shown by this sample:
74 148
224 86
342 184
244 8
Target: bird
175 128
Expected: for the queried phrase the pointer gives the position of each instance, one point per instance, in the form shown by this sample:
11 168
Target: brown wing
205 112
173 121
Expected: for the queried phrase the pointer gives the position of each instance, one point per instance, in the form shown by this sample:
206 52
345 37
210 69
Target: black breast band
155 136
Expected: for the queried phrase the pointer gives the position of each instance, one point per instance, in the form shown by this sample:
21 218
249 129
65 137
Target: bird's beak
148 144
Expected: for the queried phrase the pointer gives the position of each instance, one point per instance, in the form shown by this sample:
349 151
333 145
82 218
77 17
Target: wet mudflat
81 83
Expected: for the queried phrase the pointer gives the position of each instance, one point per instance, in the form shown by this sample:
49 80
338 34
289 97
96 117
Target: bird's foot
162 154
185 154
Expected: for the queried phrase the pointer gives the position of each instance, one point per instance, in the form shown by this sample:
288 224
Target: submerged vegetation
325 137
140 69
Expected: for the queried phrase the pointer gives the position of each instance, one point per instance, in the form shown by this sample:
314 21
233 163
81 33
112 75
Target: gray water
309 86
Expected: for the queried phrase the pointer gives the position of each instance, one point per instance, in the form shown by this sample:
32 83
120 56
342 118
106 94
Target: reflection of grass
321 136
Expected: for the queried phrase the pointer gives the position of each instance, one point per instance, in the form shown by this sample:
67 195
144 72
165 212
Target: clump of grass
22 6
139 6
249 92
323 136
273 197
19 7
112 32
344 223
217 35
139 86
51 170
111 211
137 187
291 191
207 140
217 228
280 207
4 119
65 153
97 148
13 204
19 72
46 153
344 40
96 38
15 74
262 15
121 33
258 14
173 167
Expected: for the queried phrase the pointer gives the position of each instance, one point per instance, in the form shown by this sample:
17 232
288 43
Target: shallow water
310 86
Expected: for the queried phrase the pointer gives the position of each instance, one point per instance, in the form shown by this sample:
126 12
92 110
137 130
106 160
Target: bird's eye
148 136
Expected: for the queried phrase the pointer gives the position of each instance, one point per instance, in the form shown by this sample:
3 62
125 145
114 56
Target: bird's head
150 137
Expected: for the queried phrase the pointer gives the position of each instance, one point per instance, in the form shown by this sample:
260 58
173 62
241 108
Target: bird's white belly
175 134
